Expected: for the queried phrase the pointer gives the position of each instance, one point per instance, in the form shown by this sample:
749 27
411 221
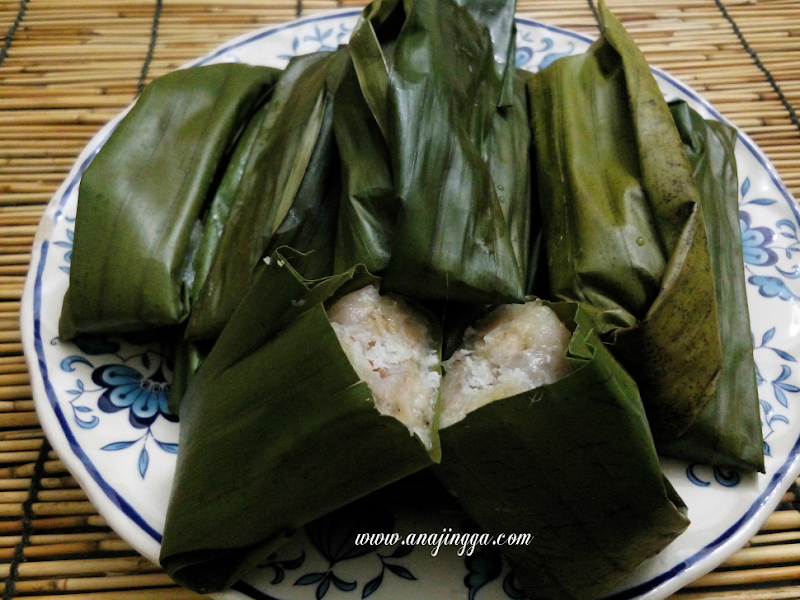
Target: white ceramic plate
123 454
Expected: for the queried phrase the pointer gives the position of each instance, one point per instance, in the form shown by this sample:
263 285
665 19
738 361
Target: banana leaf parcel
628 235
142 196
573 464
429 74
277 429
282 187
727 431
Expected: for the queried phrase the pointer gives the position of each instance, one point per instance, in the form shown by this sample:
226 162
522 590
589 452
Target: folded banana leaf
727 431
368 207
625 234
516 464
283 180
141 198
434 91
498 17
276 430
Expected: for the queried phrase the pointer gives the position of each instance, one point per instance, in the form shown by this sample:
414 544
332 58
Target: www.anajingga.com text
466 542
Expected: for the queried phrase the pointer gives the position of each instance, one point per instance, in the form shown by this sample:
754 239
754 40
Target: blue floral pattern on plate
141 392
103 404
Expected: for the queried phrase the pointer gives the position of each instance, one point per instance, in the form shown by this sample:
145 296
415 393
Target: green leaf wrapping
452 240
727 432
284 162
593 205
368 209
518 465
141 197
276 430
625 235
498 17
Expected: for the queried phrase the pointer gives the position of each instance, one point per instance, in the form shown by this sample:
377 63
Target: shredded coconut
516 348
391 349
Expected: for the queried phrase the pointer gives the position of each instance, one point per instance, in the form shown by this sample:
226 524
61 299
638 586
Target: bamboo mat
68 66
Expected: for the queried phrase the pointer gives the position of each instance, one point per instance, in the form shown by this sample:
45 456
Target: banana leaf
517 464
507 152
498 17
280 176
380 25
276 430
727 432
368 207
625 234
434 91
142 196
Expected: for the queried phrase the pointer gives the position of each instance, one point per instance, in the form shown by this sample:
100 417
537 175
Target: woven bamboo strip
764 555
49 509
775 538
747 576
14 380
117 100
14 181
9 364
15 280
73 93
75 78
80 584
17 230
79 52
49 495
19 457
7 308
18 420
57 538
118 6
20 218
722 32
8 369
677 25
113 65
784 162
35 165
633 5
26 216
80 117
60 568
17 270
21 434
16 405
17 445
26 198
783 55
170 593
22 483
18 209
773 593
63 549
77 521
51 466
676 63
13 291
8 326
11 152
15 457
783 519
